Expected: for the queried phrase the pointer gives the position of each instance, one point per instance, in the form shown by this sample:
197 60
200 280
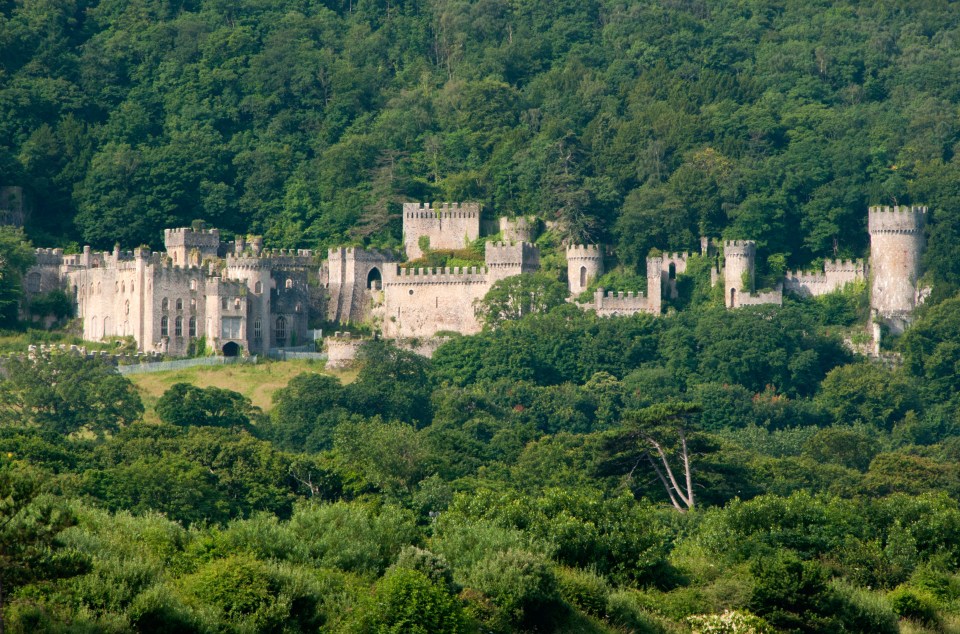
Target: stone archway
231 349
374 279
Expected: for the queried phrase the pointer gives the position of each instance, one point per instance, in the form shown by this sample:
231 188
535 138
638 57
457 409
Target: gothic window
193 326
281 331
178 327
33 282
289 284
258 288
583 276
99 290
126 307
116 287
164 326
236 303
223 304
123 287
131 287
164 304
299 307
257 330
672 271
193 304
179 304
193 285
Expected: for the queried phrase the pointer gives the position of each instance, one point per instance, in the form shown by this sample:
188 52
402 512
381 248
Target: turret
896 246
584 265
738 270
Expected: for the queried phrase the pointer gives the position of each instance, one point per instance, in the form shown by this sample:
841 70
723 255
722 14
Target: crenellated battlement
739 247
48 257
447 275
830 267
899 219
507 253
620 303
443 211
581 251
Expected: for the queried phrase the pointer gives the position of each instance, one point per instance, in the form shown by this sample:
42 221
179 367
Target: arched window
33 282
733 297
178 327
123 287
281 331
223 303
193 326
116 287
288 284
583 276
258 288
672 271
164 326
193 304
236 303
131 287
193 285
257 330
164 304
99 289
126 307
374 279
299 307
179 304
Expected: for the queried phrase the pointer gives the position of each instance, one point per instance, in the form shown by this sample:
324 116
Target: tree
184 405
30 527
16 255
651 428
67 393
519 295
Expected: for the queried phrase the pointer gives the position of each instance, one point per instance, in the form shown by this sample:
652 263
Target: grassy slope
256 382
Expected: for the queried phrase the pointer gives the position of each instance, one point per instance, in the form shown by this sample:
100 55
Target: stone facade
449 226
896 246
239 300
354 279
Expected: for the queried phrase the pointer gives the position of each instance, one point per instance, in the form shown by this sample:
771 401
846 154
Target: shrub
626 610
915 604
407 601
584 589
730 622
522 585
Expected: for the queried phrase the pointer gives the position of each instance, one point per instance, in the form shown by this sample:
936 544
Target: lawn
256 382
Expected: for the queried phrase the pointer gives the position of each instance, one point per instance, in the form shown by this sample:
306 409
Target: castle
239 298
235 297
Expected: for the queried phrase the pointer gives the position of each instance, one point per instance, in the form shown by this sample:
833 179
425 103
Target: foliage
184 405
514 297
16 255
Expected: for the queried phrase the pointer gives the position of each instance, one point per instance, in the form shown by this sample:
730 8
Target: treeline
509 484
641 125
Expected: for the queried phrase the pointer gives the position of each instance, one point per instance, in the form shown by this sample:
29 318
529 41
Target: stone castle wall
449 226
836 274
584 265
423 302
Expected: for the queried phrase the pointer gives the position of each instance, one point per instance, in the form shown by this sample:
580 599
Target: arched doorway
231 349
374 279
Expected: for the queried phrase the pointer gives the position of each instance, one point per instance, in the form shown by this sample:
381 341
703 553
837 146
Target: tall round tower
584 265
738 268
896 245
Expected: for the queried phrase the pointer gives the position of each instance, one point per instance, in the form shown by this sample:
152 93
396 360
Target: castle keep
236 297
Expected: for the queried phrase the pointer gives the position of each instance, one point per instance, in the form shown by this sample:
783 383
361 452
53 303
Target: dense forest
530 478
639 124
702 471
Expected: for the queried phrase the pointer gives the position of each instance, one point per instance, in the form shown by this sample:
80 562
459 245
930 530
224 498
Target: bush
433 566
407 601
915 604
626 610
730 622
522 585
584 589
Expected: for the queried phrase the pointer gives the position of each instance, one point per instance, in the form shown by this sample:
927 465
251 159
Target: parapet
48 257
584 251
515 254
186 236
420 276
900 219
609 303
444 210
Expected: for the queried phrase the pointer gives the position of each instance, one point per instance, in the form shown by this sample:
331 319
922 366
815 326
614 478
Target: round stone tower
896 245
584 265
738 268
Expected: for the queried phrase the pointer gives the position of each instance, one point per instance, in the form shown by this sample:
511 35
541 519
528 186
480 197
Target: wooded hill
638 124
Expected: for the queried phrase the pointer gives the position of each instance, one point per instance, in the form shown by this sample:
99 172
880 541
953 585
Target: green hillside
639 124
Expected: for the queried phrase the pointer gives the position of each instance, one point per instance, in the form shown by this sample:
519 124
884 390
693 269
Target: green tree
184 405
16 255
514 297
